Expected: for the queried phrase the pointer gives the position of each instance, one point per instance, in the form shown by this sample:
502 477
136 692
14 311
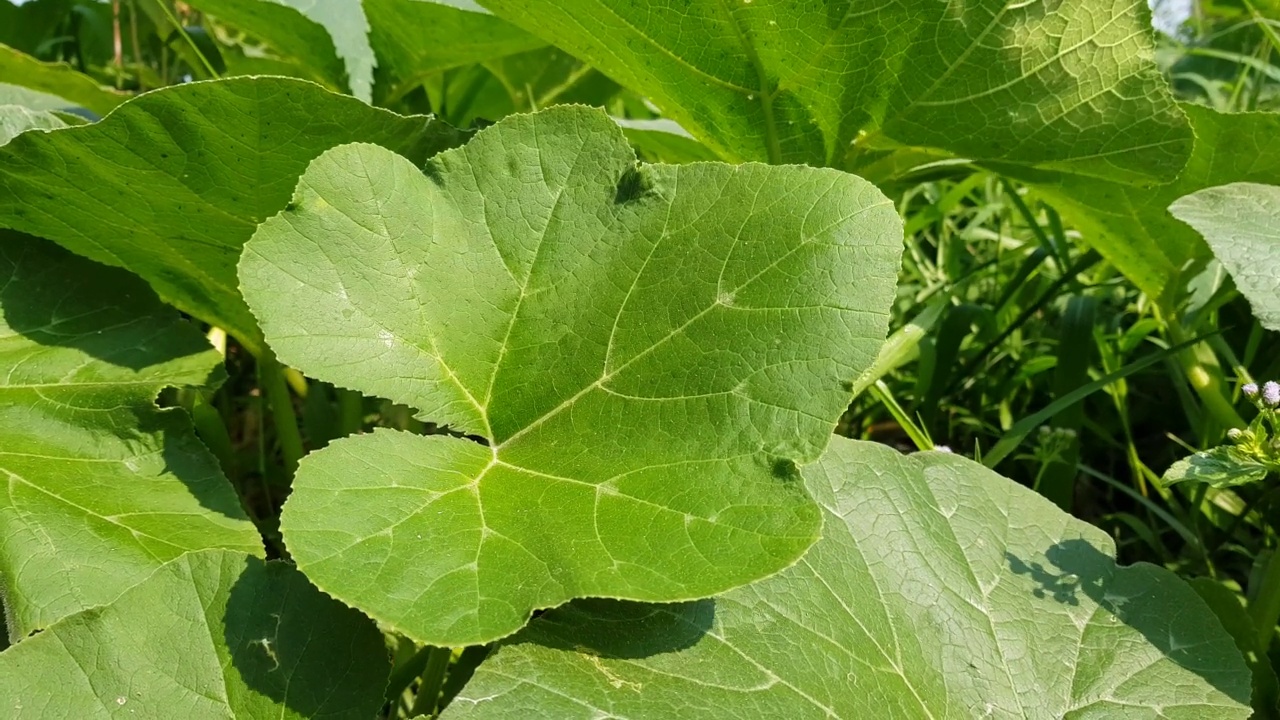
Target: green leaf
57 79
523 82
1219 467
328 41
212 634
1067 86
1241 222
103 486
172 184
415 39
15 119
1229 607
939 589
1131 226
648 350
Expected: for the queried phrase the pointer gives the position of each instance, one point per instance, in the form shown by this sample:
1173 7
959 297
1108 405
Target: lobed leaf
1055 85
103 486
648 352
939 589
172 184
212 634
1241 222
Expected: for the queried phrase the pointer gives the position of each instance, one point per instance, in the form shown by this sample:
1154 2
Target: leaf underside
1241 222
649 351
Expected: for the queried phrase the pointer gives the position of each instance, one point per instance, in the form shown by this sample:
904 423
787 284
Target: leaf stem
271 378
438 660
183 32
1200 365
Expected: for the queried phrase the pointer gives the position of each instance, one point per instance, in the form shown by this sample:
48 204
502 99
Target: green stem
183 32
432 681
880 391
1204 373
1264 606
271 377
407 671
350 411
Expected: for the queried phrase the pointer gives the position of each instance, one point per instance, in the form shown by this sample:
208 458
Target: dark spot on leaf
631 186
291 207
786 469
433 172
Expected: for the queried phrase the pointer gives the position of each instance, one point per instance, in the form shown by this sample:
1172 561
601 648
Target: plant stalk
1203 372
438 660
271 377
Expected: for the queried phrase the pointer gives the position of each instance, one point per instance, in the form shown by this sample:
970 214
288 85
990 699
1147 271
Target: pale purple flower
1250 390
1271 393
942 448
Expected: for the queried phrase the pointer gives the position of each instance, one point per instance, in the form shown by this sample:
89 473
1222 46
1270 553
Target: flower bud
1234 434
1271 393
1250 390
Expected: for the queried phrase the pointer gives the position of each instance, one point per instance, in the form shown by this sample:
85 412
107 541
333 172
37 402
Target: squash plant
626 500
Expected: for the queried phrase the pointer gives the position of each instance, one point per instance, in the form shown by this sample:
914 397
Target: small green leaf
1241 222
939 590
103 486
57 79
1220 467
172 184
212 634
1064 86
648 351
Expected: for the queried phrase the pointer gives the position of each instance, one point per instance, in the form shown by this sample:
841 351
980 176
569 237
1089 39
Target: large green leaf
103 486
1241 222
1056 85
939 589
648 350
57 79
1131 226
173 183
415 39
212 634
